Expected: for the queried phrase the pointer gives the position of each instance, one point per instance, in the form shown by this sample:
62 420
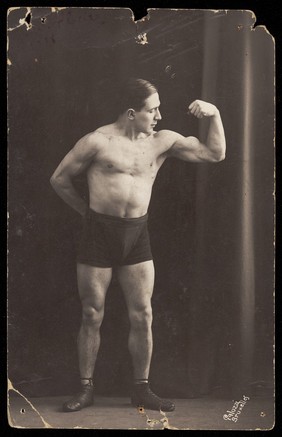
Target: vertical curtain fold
210 223
247 270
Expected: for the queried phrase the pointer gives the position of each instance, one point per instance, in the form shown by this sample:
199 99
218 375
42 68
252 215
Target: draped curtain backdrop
238 75
211 225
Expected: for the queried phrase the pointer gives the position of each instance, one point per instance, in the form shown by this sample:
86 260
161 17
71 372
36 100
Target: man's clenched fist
201 109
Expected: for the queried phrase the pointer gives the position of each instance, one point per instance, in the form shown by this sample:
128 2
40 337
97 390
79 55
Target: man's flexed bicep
190 148
73 164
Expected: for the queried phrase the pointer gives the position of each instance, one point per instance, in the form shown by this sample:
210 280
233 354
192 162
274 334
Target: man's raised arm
74 163
190 148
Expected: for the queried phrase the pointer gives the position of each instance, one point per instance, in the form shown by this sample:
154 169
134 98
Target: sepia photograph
141 230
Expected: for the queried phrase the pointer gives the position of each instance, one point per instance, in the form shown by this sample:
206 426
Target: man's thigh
137 282
93 283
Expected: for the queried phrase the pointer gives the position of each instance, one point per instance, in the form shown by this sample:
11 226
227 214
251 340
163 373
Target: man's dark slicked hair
133 93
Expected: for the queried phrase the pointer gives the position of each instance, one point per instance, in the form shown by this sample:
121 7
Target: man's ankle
140 381
87 382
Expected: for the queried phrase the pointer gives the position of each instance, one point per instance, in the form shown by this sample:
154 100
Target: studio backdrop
211 225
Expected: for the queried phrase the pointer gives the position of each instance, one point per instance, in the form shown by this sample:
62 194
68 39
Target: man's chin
149 131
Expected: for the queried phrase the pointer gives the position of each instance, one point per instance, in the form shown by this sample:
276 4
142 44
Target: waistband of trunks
135 221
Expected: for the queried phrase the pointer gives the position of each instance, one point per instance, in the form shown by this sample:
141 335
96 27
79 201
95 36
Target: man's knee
141 318
92 316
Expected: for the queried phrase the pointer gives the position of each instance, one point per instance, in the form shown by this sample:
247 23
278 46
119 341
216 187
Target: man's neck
129 131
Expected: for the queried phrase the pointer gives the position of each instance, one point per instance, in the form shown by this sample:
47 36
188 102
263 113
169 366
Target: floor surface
117 413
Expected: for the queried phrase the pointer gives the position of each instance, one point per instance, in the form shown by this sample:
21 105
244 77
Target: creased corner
12 388
26 20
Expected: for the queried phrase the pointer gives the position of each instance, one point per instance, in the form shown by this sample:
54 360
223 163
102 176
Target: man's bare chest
133 159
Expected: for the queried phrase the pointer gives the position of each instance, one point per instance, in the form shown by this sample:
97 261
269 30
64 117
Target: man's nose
158 115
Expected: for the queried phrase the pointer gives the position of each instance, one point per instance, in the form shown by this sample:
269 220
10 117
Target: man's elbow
60 181
220 157
53 180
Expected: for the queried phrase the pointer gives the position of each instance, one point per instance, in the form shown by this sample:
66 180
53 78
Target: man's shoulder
106 131
95 138
166 137
166 133
100 137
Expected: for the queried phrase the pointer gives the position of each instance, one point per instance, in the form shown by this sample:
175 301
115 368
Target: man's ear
131 114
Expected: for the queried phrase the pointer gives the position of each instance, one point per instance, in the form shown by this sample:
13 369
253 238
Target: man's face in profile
147 118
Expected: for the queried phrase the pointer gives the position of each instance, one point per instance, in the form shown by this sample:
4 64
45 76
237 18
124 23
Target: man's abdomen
121 195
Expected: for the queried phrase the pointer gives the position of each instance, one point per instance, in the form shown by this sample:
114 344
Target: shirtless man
121 161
